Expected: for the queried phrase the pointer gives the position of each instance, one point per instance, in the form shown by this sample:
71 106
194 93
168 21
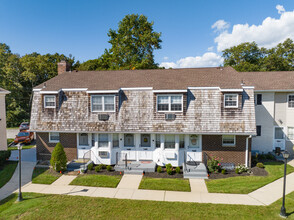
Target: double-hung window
290 133
291 101
231 100
229 140
49 101
169 142
103 103
83 139
53 137
169 103
103 140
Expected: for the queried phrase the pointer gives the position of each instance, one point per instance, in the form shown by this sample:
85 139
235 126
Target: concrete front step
195 175
195 171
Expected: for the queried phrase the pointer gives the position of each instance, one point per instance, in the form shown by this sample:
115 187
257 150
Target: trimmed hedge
4 155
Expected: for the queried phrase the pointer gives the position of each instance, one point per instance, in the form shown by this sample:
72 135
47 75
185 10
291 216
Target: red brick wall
44 148
212 146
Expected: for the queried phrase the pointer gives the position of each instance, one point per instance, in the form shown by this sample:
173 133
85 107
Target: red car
25 137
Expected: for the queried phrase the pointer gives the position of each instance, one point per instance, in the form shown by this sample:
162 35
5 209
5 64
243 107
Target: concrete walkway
64 180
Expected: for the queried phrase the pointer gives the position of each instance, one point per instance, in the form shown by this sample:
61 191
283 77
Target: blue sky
80 27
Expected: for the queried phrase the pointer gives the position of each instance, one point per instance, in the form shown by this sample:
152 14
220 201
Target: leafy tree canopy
249 57
132 46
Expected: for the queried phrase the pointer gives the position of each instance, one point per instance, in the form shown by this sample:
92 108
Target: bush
109 168
260 165
4 155
269 156
178 169
169 171
168 166
58 158
237 170
241 168
224 171
97 168
102 166
90 166
214 165
159 169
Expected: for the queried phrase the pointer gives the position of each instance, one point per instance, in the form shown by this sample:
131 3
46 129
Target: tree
58 158
132 46
249 57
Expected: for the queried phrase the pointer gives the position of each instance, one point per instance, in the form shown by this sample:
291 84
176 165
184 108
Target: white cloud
210 48
220 25
208 59
280 9
268 34
165 58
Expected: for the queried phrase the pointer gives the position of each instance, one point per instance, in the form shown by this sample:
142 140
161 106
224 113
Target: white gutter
200 88
102 91
170 91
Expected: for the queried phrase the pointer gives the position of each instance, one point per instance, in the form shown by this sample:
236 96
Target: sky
193 32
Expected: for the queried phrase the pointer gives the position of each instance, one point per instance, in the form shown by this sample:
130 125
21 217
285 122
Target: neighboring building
274 110
3 137
157 115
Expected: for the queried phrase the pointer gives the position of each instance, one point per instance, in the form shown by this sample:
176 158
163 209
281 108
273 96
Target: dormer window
231 100
169 103
103 103
49 101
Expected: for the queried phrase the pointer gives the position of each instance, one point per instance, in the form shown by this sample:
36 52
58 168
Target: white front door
145 151
194 151
129 148
279 138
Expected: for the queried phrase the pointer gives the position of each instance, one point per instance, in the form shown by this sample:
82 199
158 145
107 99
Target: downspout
246 154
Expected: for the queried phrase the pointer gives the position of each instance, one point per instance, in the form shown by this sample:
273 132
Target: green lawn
247 184
176 184
6 171
44 206
96 180
44 176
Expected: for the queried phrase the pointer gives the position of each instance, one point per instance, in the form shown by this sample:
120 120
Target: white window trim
231 106
288 133
53 141
169 102
45 101
288 101
228 145
103 103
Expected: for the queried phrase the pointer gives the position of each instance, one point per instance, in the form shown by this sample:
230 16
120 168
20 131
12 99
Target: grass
175 184
24 147
247 184
6 171
13 128
41 206
97 180
44 176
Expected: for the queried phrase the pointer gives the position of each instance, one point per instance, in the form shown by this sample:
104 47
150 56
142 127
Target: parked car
25 137
24 126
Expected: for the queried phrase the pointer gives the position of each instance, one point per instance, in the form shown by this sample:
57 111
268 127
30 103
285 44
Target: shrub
241 168
169 171
109 168
178 169
58 158
237 170
269 156
97 169
4 155
102 166
224 171
214 165
168 166
260 165
159 169
90 166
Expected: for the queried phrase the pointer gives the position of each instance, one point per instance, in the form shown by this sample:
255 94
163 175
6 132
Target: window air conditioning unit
103 117
103 154
170 116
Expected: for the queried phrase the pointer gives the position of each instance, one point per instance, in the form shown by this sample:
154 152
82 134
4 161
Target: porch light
286 154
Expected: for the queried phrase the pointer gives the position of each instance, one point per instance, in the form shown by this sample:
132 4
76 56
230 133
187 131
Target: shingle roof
225 77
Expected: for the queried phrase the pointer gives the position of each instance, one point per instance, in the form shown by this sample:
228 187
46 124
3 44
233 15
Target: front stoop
195 171
136 167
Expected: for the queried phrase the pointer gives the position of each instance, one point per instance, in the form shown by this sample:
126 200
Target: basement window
49 101
231 100
229 140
